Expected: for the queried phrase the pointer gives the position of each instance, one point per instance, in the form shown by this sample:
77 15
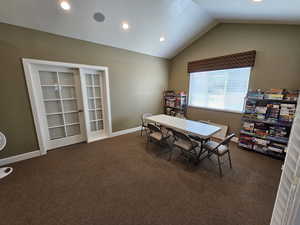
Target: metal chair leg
220 167
171 150
170 155
229 157
142 129
148 140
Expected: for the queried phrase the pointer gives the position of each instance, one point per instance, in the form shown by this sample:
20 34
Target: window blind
220 89
238 60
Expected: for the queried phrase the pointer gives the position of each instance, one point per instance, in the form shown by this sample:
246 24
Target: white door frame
37 108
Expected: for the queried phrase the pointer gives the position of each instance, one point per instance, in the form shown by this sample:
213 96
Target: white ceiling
276 11
179 21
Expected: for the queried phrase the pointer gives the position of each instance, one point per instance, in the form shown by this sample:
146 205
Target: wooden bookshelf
266 123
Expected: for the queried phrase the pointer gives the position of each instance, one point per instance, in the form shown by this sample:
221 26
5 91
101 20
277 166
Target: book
275 91
267 121
287 112
274 96
278 131
292 95
255 95
261 142
247 126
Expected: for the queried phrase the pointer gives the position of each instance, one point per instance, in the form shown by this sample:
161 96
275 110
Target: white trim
221 110
108 104
29 155
21 157
127 131
217 110
5 171
34 99
55 63
35 109
93 139
105 107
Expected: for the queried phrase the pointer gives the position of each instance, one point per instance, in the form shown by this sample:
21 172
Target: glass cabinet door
94 100
70 102
60 99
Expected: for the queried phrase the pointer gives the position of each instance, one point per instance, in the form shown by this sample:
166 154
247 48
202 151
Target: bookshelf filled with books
175 104
267 121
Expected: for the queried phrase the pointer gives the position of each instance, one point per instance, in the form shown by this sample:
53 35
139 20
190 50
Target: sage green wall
277 61
136 81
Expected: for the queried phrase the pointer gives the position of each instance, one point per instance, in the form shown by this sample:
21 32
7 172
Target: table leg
201 152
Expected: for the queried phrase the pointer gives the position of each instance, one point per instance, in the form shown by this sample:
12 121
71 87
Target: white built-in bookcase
287 205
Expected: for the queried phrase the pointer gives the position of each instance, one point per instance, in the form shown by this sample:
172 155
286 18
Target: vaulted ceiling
178 21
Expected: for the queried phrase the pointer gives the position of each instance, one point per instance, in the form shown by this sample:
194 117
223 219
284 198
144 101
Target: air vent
99 17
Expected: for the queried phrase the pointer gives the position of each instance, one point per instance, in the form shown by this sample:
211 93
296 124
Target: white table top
188 126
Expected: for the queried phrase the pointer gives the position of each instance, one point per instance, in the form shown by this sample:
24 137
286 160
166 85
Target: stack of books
255 95
287 112
246 141
275 147
250 107
249 127
261 112
274 94
278 131
170 101
291 95
267 121
273 112
260 145
261 129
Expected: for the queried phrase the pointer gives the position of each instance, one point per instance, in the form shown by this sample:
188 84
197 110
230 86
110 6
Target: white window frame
34 97
219 110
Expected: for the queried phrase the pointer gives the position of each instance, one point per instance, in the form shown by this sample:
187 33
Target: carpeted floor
118 181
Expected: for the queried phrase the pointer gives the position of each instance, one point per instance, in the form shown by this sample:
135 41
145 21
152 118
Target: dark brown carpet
117 181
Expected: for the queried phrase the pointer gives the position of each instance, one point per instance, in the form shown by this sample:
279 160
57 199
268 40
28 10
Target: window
219 89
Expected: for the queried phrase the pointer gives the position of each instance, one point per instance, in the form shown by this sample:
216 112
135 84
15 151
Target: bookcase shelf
282 140
273 100
266 123
175 104
279 123
276 155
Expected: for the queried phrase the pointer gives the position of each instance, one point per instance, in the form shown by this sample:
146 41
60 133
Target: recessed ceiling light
65 5
161 39
125 26
257 0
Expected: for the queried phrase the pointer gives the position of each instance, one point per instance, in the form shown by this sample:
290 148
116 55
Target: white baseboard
127 131
97 139
21 157
29 155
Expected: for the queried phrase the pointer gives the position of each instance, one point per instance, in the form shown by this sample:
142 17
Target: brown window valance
239 60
